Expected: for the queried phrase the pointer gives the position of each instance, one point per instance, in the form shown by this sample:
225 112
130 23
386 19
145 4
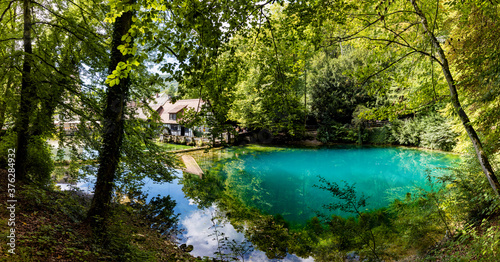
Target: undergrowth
50 226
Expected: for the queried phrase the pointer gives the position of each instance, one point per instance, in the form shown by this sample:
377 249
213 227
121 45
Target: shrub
40 164
197 133
429 131
407 132
379 135
437 134
337 132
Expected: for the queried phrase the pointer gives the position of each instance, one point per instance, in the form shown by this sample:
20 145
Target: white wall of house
176 130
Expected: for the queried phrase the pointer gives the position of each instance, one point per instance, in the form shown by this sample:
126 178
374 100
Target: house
170 113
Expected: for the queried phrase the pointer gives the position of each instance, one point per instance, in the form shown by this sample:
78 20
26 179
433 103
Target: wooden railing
185 140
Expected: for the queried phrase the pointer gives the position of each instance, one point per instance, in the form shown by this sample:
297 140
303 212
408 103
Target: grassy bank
172 147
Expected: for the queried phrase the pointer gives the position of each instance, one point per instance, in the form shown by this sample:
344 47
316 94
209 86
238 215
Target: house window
172 116
174 128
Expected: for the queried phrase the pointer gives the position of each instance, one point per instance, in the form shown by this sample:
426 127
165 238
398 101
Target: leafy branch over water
350 203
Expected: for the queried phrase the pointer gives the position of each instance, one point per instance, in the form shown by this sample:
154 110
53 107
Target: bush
472 244
437 134
197 133
40 164
379 135
407 132
429 131
337 132
7 142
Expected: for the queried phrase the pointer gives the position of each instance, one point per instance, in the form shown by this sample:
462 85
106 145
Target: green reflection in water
268 193
280 181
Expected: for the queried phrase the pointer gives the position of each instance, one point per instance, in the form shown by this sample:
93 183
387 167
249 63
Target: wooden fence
186 140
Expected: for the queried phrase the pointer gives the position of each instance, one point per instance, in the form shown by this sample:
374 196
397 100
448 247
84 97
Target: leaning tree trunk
28 94
109 154
481 155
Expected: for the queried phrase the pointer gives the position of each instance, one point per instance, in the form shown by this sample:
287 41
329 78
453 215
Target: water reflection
197 213
266 196
199 232
269 196
281 181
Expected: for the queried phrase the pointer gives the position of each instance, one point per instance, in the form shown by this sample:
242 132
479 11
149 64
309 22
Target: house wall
187 131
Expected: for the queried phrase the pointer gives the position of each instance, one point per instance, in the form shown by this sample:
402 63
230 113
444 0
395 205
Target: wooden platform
191 166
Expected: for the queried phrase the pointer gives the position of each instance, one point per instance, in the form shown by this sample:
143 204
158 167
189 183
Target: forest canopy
415 73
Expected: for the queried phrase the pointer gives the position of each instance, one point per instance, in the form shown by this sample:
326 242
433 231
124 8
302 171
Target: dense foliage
430 130
415 73
410 227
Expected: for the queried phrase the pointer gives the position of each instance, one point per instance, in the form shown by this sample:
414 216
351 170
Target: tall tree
409 28
114 116
8 73
474 50
270 90
48 65
443 61
189 30
28 93
335 94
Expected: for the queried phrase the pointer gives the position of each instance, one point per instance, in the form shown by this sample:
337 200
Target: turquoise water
282 181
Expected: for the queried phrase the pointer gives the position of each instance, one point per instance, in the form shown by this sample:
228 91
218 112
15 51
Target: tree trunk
481 155
3 103
109 155
10 76
27 97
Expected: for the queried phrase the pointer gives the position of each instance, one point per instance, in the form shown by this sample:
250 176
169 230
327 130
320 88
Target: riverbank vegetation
49 227
433 222
415 73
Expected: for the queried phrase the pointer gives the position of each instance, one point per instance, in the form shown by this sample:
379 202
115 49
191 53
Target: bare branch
388 14
398 35
6 9
12 38
395 42
358 32
385 68
63 28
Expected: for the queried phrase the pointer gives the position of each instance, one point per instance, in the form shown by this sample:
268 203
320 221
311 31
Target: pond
254 187
283 181
255 196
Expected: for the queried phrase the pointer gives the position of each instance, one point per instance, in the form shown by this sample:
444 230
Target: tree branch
12 38
385 68
61 18
5 11
395 42
63 28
